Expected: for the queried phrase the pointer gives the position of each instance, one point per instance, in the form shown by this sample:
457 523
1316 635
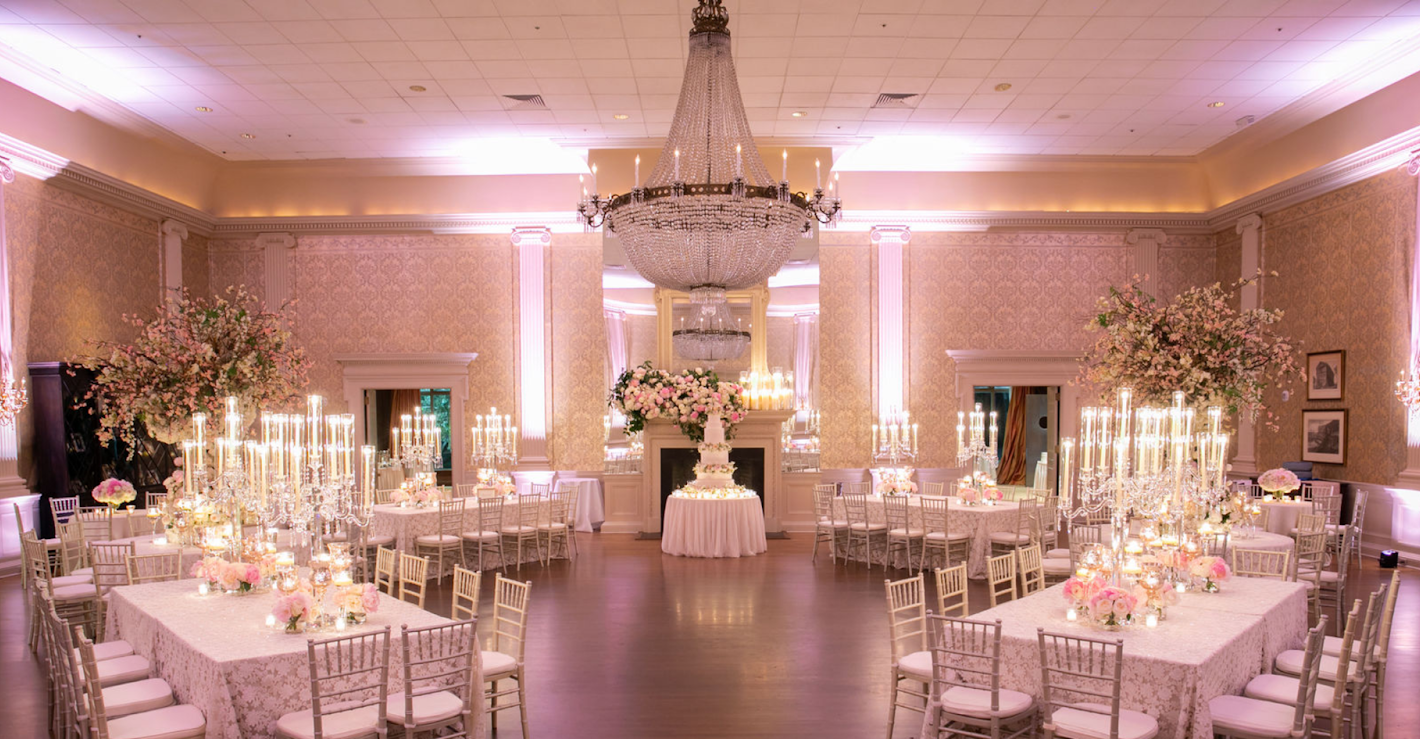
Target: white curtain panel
805 359
618 345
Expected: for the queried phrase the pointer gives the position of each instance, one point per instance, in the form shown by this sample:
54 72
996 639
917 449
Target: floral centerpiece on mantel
1200 344
189 358
687 399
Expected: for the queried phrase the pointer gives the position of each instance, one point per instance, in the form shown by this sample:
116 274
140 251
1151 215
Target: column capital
284 240
1249 222
1412 167
175 228
530 235
1155 235
900 233
7 173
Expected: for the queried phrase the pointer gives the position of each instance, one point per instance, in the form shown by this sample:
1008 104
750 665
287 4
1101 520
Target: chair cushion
173 722
907 533
1253 717
1283 689
868 526
1010 537
949 536
1332 646
137 697
379 541
1327 576
1075 723
65 581
1057 554
337 725
1290 663
554 526
917 664
434 540
479 536
73 592
428 709
1054 566
832 523
497 663
121 670
83 571
512 530
977 703
110 650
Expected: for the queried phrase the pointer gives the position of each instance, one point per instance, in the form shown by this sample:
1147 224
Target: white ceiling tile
223 55
478 29
421 29
300 72
219 11
284 10
193 34
405 8
924 48
939 26
332 53
995 27
438 51
980 49
372 29
1222 28
277 54
344 8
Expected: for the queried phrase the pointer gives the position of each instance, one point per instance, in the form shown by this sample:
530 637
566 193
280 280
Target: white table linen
218 654
388 478
728 527
1282 514
1260 540
406 524
148 545
1211 644
980 521
591 510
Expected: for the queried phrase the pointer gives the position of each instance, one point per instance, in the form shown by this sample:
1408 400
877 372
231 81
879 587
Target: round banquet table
1282 514
728 527
980 521
148 545
1242 538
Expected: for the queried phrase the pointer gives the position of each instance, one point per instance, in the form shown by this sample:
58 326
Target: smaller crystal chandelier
713 334
1407 389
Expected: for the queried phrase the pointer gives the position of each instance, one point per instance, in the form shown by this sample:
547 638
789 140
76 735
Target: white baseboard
1411 560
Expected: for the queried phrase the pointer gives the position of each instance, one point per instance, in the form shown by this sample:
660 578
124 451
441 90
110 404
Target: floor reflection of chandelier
712 334
710 217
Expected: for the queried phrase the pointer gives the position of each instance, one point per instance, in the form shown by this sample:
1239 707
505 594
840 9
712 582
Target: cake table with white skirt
712 516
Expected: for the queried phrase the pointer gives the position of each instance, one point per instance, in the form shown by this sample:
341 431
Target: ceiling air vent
525 102
896 100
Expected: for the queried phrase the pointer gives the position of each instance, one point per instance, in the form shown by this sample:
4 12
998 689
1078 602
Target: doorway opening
1028 426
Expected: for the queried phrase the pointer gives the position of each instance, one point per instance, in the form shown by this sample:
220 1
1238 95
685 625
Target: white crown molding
453 223
968 221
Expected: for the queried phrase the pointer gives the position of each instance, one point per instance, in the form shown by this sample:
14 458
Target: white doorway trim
363 372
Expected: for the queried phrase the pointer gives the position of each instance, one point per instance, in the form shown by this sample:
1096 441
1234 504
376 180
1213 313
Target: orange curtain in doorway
1012 469
402 402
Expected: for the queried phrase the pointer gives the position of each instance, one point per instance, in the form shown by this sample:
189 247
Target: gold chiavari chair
467 587
952 586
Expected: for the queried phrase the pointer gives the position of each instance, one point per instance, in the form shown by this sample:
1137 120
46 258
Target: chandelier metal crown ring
709 218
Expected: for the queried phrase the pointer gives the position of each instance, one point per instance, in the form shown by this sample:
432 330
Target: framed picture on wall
1324 436
1326 375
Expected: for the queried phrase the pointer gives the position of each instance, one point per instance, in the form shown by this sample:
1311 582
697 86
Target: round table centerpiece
1278 482
1212 570
114 493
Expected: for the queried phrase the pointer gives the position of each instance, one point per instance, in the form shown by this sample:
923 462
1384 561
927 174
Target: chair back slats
966 654
1261 563
860 488
385 573
62 509
1080 670
823 503
934 515
529 507
896 512
451 517
1031 569
490 513
467 585
1310 523
907 615
1026 516
164 567
73 552
540 489
413 573
1001 573
383 497
1383 638
438 659
1328 506
856 504
1307 682
951 586
934 489
110 563
348 673
1354 627
510 615
97 522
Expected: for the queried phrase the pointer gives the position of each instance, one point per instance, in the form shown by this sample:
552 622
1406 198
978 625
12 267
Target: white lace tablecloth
218 654
147 545
980 521
731 527
590 509
1211 644
1260 540
1282 514
408 524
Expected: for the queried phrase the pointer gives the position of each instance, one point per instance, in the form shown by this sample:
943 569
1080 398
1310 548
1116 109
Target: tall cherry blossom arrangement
687 399
187 359
1198 344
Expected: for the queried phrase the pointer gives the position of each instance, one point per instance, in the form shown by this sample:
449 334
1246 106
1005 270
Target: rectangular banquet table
219 655
408 523
980 521
1210 644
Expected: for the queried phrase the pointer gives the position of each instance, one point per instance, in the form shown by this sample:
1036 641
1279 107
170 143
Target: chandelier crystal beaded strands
710 218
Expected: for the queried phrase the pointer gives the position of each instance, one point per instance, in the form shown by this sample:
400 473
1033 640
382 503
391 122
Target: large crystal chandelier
710 218
713 334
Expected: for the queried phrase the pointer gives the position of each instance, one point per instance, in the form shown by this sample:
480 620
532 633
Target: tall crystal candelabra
894 438
495 444
415 443
1145 462
976 451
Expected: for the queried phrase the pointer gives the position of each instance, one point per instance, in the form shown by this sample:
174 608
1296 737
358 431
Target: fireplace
678 469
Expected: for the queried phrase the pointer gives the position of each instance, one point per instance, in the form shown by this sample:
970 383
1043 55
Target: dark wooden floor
628 642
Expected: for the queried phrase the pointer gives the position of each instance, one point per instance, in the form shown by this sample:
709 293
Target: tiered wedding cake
715 471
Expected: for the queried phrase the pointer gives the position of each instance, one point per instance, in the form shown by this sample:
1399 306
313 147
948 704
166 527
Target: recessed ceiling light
1063 117
356 121
1004 86
621 116
203 109
798 114
248 135
1216 104
417 88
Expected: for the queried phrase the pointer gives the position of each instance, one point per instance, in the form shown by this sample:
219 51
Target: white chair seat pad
379 541
480 535
1332 647
1290 662
435 540
868 526
110 650
1283 689
121 670
74 592
948 536
917 664
555 526
832 523
977 703
173 722
337 725
906 533
83 571
1008 537
1057 554
514 530
137 697
1326 576
1250 716
1055 566
428 709
1076 723
497 663
65 581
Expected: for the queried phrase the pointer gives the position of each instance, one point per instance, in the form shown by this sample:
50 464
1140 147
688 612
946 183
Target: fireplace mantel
761 429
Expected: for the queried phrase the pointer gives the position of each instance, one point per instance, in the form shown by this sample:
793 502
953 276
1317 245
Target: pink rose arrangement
1278 482
294 609
1078 591
894 483
1112 606
1213 570
359 600
233 577
992 493
504 485
114 493
968 494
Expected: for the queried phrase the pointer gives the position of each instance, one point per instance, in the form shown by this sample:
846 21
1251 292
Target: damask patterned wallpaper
845 349
80 265
194 265
1342 262
578 349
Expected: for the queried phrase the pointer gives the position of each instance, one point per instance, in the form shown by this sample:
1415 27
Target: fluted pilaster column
174 233
277 248
891 375
1144 256
1410 476
532 243
11 484
1250 228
